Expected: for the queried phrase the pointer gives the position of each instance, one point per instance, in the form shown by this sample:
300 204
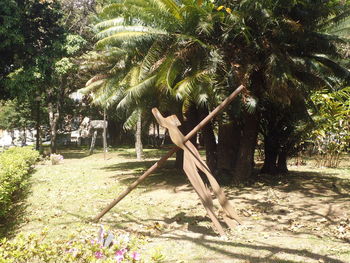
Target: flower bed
116 247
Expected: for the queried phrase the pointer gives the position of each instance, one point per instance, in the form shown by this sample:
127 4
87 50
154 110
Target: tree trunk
138 138
93 142
270 160
209 143
179 160
53 118
113 131
24 139
37 126
227 149
271 149
282 161
210 147
190 121
244 165
104 134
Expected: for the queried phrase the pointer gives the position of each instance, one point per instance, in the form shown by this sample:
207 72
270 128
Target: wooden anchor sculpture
190 167
193 162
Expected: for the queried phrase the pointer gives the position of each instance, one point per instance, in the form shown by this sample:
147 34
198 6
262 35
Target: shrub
15 166
34 248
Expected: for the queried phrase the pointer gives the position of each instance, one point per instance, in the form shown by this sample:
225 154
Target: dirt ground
303 217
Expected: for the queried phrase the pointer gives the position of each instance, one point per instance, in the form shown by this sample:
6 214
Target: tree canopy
183 57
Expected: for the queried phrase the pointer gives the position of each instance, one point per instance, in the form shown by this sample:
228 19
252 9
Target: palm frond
334 66
169 6
134 93
133 36
173 72
185 87
92 87
251 104
153 56
110 23
110 93
131 121
336 21
136 28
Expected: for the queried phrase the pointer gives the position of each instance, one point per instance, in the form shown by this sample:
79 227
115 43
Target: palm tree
168 64
282 41
198 52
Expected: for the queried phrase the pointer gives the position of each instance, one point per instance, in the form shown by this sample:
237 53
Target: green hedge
15 166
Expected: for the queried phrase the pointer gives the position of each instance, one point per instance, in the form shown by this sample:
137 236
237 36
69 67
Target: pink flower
73 251
119 258
121 252
119 255
136 256
98 254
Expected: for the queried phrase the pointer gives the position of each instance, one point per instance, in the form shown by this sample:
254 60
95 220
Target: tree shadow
166 175
147 153
212 244
311 203
312 184
181 220
209 240
75 154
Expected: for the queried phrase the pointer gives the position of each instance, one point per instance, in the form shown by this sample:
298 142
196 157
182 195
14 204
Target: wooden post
154 167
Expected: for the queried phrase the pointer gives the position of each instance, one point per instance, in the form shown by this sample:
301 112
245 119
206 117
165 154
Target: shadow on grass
166 175
271 258
312 198
311 184
71 152
75 154
206 238
153 153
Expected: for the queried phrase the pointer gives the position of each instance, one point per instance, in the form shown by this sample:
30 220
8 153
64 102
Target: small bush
15 166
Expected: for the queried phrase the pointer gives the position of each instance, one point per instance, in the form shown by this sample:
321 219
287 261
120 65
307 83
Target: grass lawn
305 217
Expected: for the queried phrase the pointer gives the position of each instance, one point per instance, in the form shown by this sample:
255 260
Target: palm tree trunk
244 165
53 118
209 142
138 137
104 134
113 131
24 140
179 160
271 154
227 149
190 121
